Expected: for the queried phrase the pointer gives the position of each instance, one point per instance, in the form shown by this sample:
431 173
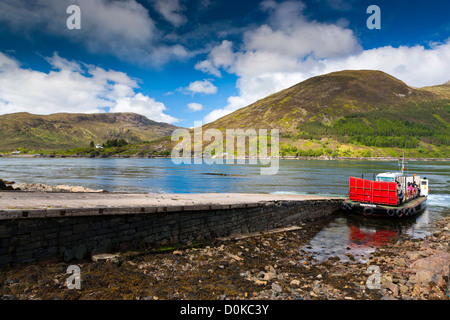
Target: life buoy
390 212
368 211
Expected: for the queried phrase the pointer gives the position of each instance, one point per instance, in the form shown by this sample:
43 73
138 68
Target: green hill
352 113
71 130
441 90
324 99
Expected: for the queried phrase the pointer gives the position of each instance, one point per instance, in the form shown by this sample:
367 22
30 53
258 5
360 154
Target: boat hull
410 209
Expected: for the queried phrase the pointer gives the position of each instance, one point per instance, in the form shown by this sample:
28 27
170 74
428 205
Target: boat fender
399 212
412 211
390 212
347 205
368 211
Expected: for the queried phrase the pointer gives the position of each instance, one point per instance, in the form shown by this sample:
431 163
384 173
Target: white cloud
341 5
208 67
278 54
305 38
122 29
221 56
416 66
205 87
72 87
289 48
144 105
171 11
194 106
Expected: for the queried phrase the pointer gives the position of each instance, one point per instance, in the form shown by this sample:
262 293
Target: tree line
402 126
110 143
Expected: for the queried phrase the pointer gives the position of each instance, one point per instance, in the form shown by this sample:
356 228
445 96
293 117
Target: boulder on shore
3 186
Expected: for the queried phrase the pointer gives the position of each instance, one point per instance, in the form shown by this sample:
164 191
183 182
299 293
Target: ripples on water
346 234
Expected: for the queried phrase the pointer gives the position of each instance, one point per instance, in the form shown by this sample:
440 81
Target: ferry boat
390 194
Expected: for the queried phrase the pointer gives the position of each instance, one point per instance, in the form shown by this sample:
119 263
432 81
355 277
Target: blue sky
182 61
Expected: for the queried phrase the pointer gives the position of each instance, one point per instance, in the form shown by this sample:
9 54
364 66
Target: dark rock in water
3 186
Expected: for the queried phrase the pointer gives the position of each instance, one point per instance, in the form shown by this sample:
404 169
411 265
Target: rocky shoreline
266 266
10 185
230 157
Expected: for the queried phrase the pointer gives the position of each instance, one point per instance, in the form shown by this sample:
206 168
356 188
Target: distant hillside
72 130
324 99
352 113
440 90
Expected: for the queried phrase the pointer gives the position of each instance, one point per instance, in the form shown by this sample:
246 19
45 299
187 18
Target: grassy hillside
352 113
420 129
442 90
67 130
324 99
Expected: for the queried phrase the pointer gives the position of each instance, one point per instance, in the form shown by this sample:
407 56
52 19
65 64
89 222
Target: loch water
345 234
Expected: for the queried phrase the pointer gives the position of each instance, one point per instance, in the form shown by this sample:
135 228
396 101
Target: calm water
346 234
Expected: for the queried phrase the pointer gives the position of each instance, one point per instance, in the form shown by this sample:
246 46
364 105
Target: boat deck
412 203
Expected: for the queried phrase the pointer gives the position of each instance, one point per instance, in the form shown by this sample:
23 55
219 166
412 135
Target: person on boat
416 188
410 190
399 193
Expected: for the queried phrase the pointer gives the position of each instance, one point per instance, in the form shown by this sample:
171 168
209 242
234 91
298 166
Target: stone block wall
37 235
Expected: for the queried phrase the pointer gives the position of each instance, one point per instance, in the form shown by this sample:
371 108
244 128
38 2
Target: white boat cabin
389 176
404 180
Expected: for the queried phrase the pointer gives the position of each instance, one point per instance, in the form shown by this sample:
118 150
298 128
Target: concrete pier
37 226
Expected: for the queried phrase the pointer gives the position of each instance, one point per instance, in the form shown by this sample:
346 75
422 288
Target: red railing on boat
376 192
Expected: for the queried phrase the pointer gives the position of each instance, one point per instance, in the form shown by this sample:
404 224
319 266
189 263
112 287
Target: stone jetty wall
39 235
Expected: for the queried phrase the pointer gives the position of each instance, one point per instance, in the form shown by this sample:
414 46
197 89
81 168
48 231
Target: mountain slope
324 98
442 90
71 130
365 110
